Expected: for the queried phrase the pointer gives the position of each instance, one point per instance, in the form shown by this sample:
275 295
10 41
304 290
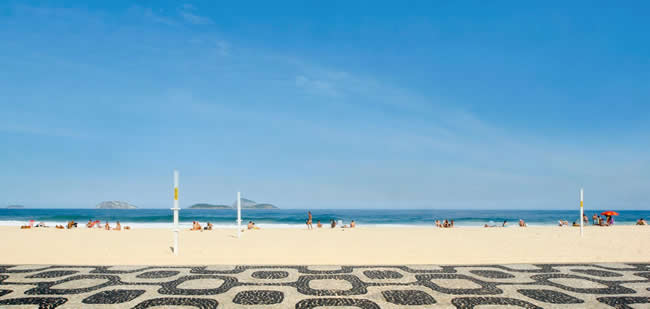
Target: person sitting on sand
250 225
595 219
318 224
196 226
41 224
522 223
505 222
610 220
107 227
445 224
118 226
208 226
585 220
72 224
29 225
90 223
333 223
60 227
438 223
451 223
641 222
352 224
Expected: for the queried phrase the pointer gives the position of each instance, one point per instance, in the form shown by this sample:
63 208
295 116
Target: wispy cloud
149 14
316 86
189 13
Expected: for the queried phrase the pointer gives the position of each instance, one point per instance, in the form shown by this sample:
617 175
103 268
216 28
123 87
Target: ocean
276 218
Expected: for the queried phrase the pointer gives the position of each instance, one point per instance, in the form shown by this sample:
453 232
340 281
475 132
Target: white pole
238 214
581 211
176 209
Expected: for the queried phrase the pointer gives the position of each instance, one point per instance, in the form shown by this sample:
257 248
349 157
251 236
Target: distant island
15 207
249 204
115 205
245 204
209 206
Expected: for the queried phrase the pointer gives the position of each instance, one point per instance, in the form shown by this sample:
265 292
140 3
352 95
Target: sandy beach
360 246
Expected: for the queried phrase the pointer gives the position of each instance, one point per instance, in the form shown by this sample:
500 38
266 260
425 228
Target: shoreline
358 246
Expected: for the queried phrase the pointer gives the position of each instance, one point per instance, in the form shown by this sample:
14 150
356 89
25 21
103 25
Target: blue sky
331 104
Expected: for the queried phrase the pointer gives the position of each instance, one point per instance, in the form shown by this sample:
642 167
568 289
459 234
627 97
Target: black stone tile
471 302
5 292
492 274
343 270
113 297
382 274
643 274
158 274
311 303
550 296
408 297
486 288
45 287
53 274
258 297
613 287
597 273
270 274
42 302
358 287
171 286
200 303
622 302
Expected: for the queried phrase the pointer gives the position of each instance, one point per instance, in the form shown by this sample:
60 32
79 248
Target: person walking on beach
309 220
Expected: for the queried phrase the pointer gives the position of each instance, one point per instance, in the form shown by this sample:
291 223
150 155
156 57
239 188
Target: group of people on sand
196 226
445 224
333 223
72 224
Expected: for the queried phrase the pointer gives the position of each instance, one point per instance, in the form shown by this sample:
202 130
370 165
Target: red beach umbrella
609 213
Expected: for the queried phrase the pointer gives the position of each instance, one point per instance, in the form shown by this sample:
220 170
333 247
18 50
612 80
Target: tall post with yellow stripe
582 213
175 210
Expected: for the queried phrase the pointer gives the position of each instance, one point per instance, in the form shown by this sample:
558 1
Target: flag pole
238 214
175 210
582 213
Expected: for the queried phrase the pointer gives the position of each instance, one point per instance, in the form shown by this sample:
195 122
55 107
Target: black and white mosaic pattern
365 287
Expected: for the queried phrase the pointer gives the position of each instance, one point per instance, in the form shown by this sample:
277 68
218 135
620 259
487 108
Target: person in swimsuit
309 220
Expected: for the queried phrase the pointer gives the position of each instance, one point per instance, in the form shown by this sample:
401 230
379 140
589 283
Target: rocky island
209 206
249 204
115 205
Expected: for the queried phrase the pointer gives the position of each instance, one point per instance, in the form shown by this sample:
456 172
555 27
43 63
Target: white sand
325 246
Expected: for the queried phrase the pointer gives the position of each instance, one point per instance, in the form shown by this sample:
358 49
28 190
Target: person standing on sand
309 220
595 219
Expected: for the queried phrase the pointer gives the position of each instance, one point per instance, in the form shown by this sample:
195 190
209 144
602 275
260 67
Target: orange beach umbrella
609 213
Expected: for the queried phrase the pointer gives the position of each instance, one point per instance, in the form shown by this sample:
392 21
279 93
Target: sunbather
208 226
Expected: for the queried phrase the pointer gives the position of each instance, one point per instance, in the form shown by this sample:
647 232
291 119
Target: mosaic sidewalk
302 287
